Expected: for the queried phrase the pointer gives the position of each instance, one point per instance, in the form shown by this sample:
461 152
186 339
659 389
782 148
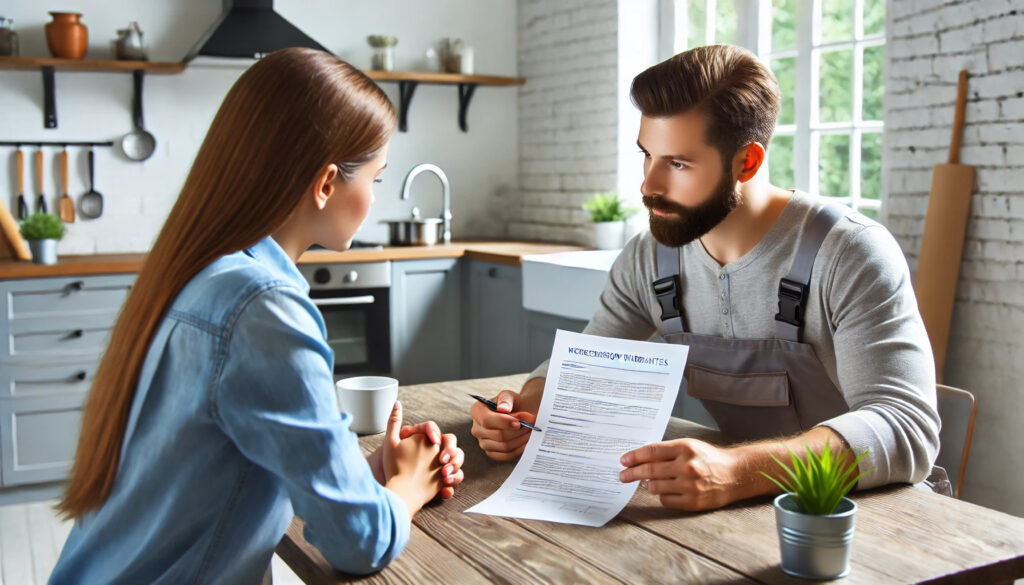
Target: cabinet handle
76 285
79 376
492 272
77 333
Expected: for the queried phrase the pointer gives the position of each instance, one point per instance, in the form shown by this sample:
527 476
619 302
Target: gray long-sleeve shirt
862 321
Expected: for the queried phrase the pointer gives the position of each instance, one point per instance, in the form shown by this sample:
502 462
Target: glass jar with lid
8 38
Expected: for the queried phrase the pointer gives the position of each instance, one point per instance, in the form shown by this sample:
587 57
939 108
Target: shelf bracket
49 98
465 96
405 91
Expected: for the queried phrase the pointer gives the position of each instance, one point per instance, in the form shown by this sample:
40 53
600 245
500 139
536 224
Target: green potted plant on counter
814 518
609 216
43 231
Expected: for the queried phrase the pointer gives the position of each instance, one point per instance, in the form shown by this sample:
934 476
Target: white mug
369 401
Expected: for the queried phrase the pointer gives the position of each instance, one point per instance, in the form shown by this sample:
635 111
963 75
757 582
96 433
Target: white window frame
754 33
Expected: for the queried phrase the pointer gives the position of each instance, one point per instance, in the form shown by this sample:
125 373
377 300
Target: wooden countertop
500 252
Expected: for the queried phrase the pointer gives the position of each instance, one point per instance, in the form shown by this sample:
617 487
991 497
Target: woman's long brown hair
283 121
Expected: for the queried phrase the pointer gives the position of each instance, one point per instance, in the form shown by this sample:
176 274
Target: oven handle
361 300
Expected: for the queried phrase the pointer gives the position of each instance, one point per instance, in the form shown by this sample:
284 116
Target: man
802 324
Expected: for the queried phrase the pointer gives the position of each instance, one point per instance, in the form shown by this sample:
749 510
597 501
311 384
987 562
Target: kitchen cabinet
540 334
495 324
55 331
426 320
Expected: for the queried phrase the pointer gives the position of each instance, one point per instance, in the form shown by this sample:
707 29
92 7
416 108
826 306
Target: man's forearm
531 393
757 457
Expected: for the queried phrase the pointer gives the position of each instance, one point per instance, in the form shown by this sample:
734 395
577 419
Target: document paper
602 397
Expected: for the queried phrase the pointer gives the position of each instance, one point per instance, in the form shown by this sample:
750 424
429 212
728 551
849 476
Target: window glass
837 20
874 17
785 73
874 82
835 90
780 162
871 165
834 165
783 25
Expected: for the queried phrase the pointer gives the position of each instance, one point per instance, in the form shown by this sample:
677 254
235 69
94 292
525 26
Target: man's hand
499 433
693 475
686 473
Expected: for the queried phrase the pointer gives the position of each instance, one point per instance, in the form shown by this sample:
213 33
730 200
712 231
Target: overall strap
793 289
668 290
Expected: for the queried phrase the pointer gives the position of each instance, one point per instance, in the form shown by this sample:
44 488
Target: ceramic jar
66 36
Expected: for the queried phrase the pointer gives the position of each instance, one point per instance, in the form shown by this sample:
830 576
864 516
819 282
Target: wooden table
903 534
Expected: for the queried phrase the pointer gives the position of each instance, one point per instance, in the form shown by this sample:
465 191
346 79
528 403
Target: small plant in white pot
814 518
43 231
609 216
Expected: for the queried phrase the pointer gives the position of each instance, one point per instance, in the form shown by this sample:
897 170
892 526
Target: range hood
249 29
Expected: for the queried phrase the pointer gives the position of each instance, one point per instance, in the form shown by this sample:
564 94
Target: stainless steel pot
414 231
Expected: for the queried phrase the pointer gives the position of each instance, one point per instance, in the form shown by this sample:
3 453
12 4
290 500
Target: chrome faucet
446 214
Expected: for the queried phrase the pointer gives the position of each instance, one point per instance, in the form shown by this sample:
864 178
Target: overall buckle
791 300
667 291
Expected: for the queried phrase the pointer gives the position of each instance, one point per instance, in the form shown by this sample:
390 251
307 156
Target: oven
354 301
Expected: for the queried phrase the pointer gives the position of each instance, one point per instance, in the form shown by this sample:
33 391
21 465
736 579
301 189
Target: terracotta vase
66 37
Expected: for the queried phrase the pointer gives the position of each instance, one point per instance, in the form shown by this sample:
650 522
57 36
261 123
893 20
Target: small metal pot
414 232
43 251
815 547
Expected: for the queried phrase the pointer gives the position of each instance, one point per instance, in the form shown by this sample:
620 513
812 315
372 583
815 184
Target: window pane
836 20
871 166
783 25
696 13
780 162
725 22
874 17
874 82
870 212
834 165
785 73
836 89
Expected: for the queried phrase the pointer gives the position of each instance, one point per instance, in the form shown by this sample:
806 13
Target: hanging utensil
22 204
41 198
138 144
66 205
91 203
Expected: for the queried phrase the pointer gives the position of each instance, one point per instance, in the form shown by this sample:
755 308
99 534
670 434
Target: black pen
494 406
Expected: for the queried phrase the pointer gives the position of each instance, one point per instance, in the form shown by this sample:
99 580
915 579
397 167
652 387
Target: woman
212 418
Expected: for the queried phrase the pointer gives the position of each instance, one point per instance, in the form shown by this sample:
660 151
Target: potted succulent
43 231
609 216
814 518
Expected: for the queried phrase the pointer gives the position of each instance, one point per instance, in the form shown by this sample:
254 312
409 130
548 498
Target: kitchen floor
31 537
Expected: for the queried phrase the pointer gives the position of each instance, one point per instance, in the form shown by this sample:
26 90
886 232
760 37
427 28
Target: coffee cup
369 401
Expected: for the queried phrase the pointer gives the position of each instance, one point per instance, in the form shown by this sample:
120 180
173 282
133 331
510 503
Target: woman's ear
323 186
748 160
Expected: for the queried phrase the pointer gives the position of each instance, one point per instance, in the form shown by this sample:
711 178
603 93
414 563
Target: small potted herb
814 518
43 231
609 216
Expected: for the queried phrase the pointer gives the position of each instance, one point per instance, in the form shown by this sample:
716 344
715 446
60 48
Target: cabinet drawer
50 297
29 379
38 437
46 339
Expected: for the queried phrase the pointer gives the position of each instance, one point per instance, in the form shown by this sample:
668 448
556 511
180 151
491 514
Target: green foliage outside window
834 165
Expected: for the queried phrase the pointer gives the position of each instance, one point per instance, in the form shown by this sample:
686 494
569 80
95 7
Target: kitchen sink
566 284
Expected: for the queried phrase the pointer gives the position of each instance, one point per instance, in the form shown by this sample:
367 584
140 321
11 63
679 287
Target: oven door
358 329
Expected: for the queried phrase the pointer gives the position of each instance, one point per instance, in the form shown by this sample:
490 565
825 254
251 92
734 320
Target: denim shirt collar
270 254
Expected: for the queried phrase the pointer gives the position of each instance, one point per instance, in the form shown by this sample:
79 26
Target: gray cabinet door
495 327
426 320
39 435
540 334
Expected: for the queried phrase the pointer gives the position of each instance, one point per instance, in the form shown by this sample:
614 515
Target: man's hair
736 94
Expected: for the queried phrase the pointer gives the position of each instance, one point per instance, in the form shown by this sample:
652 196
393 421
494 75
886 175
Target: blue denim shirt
235 427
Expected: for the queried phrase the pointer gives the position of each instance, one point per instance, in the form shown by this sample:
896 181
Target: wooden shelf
443 78
109 65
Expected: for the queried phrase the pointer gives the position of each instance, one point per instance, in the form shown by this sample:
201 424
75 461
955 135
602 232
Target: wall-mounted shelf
48 65
409 80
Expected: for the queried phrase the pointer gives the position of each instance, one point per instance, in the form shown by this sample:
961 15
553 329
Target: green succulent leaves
818 482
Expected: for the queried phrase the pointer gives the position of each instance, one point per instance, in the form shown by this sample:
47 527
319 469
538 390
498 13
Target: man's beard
690 223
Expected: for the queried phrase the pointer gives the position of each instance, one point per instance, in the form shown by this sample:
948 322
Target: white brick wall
928 42
567 115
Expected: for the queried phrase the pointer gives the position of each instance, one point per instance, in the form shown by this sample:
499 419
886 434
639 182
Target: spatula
67 204
41 198
22 205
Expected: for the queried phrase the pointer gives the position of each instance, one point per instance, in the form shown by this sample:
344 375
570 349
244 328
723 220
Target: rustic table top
903 534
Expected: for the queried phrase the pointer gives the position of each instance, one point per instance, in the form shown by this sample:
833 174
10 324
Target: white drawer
53 339
20 380
38 437
53 297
